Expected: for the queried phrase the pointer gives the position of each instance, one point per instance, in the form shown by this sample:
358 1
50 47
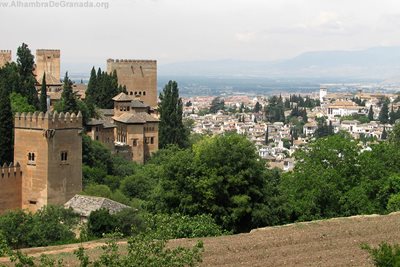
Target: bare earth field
334 242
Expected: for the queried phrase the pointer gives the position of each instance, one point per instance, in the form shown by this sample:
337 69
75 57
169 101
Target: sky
189 30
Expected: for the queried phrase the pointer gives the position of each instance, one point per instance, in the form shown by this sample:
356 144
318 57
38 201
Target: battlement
48 51
10 172
110 60
5 51
48 120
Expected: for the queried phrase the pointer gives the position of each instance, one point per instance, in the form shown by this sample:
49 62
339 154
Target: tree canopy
171 127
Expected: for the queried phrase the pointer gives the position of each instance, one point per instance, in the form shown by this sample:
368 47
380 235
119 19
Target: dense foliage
49 226
6 126
171 128
385 255
217 104
18 79
334 177
102 88
275 111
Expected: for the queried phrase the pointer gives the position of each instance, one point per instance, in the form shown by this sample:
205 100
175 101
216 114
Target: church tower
48 148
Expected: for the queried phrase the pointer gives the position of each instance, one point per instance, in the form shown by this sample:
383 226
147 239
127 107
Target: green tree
392 116
222 176
257 107
25 63
6 126
217 104
101 222
371 113
171 129
325 181
68 98
90 98
43 95
20 103
384 113
275 111
384 134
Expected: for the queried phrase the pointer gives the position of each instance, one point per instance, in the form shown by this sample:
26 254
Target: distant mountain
374 63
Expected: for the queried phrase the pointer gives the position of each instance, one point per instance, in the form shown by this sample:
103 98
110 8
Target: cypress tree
384 134
384 113
371 113
43 95
25 63
172 130
68 97
6 127
392 116
267 136
91 93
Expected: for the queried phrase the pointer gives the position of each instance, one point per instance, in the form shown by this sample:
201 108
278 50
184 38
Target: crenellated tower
48 61
48 148
5 57
139 77
10 187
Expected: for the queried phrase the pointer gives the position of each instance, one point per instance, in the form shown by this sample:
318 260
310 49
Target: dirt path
334 242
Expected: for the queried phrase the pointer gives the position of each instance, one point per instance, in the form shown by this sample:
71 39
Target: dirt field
334 242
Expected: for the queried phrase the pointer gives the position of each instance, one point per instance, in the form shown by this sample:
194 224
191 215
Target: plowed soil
334 242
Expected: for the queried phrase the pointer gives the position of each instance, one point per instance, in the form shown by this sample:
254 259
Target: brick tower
139 77
48 148
5 57
48 61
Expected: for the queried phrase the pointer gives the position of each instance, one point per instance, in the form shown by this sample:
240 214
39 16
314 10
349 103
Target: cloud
326 23
246 37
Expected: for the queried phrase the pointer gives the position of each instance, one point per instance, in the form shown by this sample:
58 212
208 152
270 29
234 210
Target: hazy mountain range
377 63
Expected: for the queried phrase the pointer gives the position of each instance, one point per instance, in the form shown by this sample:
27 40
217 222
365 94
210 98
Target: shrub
385 255
143 250
50 225
101 222
182 226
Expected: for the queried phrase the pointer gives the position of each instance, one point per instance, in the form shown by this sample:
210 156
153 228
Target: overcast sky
186 30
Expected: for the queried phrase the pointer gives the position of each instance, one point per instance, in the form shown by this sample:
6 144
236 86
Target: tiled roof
122 97
84 205
141 117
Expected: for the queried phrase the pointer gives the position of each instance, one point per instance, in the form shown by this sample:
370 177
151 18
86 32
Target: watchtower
5 57
48 148
48 61
139 77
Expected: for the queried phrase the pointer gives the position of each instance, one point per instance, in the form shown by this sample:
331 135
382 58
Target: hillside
334 242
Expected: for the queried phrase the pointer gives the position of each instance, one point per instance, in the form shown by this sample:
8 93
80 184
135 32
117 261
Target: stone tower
48 148
5 57
48 61
139 77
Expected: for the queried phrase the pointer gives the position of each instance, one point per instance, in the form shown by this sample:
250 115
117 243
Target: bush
182 226
50 225
385 255
101 222
143 250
